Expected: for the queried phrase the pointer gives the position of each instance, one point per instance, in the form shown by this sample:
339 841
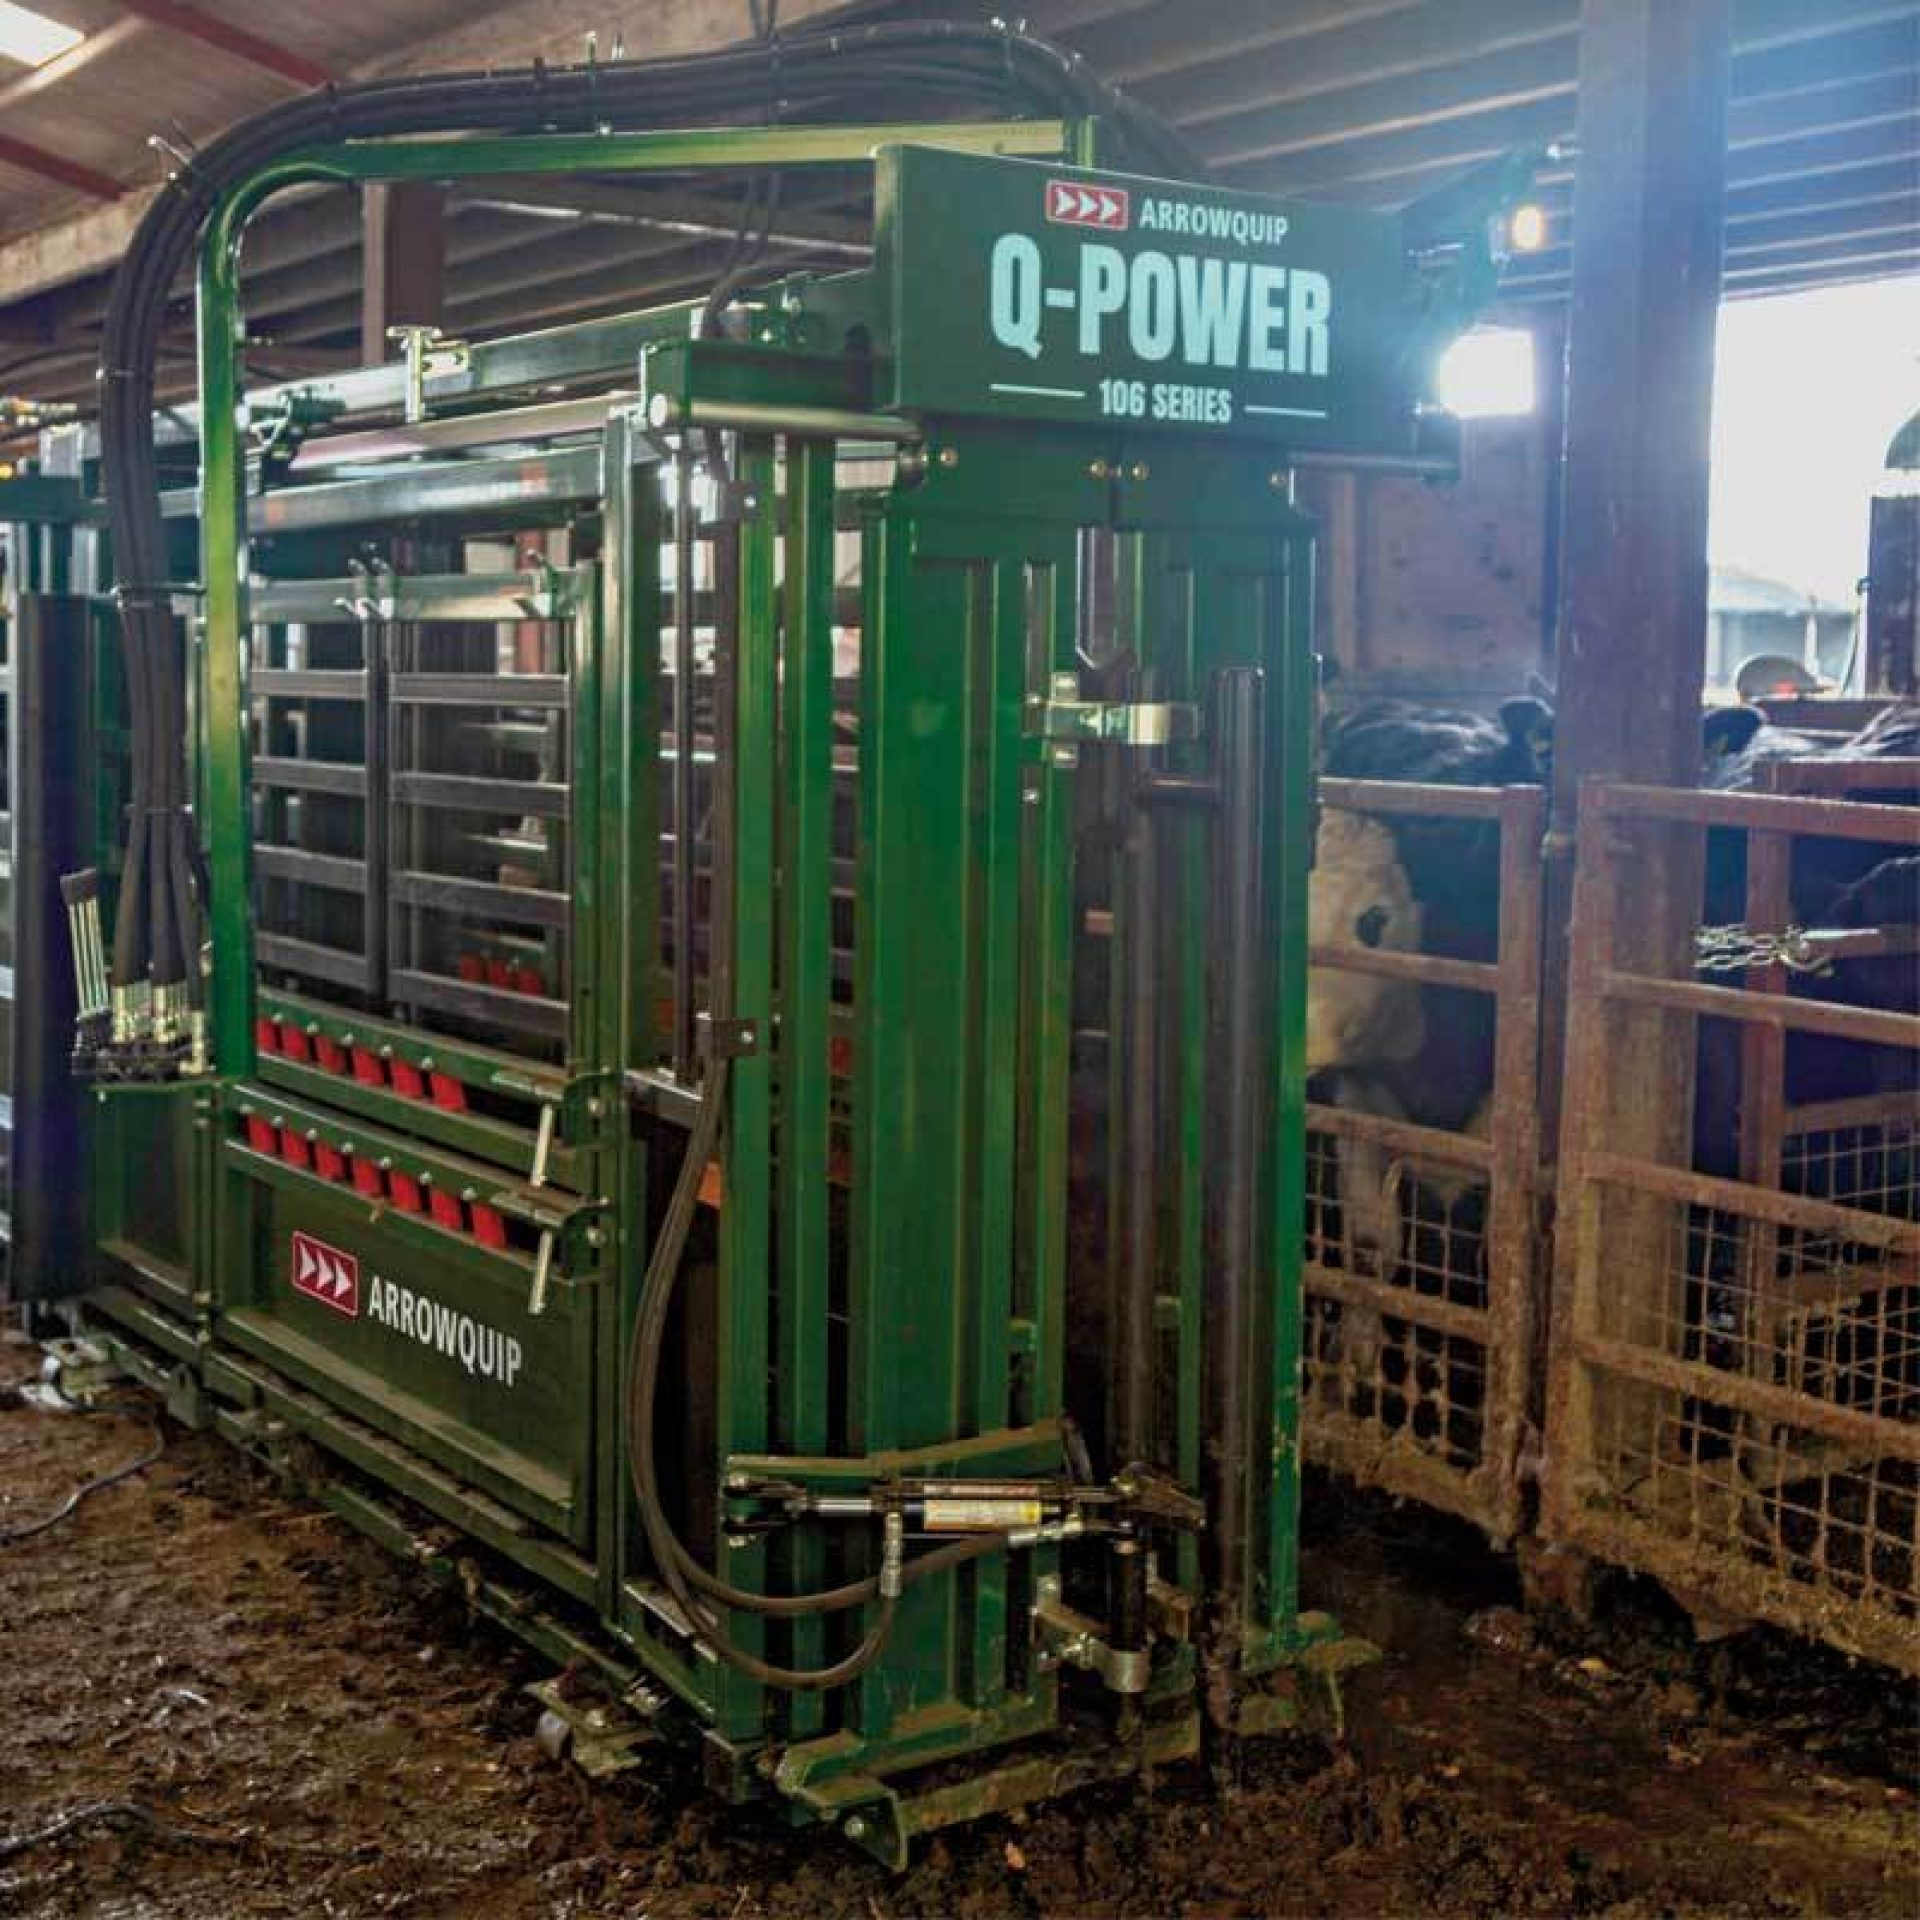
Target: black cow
1452 870
1737 742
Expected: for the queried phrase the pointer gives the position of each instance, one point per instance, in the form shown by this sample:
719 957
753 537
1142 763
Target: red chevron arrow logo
326 1274
1069 204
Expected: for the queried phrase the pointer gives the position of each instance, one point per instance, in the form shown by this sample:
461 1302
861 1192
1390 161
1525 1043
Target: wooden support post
404 231
1633 559
1631 650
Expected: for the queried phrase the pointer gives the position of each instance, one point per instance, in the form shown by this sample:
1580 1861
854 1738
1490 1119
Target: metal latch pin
537 1177
542 1272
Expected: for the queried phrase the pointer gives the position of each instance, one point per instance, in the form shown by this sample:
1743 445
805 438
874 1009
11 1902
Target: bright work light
1527 228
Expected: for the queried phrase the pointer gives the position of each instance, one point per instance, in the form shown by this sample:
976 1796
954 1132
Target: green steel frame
894 1293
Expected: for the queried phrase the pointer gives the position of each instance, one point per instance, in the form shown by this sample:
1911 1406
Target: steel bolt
949 456
1139 470
1099 470
857 1827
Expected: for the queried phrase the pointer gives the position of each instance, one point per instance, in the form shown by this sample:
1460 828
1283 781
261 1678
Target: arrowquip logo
1072 205
326 1274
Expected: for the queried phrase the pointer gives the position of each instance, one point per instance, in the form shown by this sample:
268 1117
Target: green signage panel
1051 292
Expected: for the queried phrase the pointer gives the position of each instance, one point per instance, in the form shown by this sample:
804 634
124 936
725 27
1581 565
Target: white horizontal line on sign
1290 413
1044 393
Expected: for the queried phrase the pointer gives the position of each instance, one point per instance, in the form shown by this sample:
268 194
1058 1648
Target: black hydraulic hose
828 73
685 1578
31 1529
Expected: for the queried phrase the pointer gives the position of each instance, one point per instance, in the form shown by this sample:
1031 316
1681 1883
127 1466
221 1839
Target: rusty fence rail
1734 1387
1419 1348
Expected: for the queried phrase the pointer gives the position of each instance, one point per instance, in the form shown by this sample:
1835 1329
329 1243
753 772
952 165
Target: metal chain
1733 949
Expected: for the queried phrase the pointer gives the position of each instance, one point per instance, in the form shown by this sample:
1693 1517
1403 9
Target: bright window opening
31 38
1809 389
1489 373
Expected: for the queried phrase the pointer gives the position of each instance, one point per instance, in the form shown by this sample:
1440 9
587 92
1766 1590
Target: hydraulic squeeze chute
748 1091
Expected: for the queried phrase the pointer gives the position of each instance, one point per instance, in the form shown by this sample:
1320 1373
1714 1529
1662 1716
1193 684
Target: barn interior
960 964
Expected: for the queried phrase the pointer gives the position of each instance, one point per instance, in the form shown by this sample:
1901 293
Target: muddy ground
316 1737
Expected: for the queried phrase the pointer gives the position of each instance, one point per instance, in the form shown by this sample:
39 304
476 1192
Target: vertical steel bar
1048 945
805 997
583 985
1168 636
684 549
740 986
1137 1149
997 713
1232 1226
1282 636
997 717
621 962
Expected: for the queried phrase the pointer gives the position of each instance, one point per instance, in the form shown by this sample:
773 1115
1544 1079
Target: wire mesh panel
1420 1237
1735 1403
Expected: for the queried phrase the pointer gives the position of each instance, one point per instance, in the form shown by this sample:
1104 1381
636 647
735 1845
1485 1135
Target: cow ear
1726 731
1529 725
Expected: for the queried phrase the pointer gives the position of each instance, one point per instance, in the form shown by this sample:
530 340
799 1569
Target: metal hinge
728 1039
1069 1638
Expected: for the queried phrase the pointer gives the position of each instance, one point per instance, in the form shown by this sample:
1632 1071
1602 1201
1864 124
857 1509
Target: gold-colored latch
1063 716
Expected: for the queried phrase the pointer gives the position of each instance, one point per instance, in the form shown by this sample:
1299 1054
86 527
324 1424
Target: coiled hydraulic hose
691 1585
820 74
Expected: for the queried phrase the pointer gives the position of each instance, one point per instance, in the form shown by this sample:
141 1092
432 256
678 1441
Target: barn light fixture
31 38
1527 228
1489 374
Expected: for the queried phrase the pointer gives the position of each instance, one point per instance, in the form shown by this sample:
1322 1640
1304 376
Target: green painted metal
890 1289
804 1126
746 1265
1031 291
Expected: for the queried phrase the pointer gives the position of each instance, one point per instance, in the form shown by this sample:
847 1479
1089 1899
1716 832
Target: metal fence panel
1734 1400
1419 1361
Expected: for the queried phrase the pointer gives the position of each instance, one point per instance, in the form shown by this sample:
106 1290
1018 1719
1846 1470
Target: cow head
1359 895
1726 732
1528 759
